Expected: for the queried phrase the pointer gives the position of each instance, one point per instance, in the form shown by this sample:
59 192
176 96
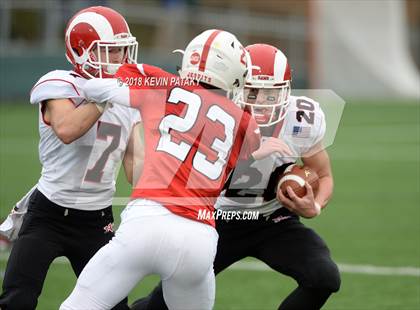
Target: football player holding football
193 139
81 146
278 237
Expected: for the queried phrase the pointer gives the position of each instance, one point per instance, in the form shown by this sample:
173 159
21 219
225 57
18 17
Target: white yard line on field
259 266
344 268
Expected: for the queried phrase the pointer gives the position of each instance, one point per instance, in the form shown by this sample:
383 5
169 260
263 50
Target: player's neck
267 131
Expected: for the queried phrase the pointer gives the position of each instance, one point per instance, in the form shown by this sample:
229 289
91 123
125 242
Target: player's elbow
66 139
65 135
326 180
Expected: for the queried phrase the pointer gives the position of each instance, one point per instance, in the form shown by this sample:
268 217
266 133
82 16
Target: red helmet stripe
115 19
270 62
206 50
287 73
263 55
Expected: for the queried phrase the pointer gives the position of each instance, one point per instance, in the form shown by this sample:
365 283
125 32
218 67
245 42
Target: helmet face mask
267 88
267 105
98 41
105 58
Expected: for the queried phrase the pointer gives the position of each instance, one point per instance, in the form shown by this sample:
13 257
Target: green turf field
373 218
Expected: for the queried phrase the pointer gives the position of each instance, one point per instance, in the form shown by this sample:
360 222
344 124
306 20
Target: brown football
295 176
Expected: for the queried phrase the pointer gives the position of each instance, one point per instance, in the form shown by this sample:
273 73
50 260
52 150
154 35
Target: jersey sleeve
252 136
107 90
147 84
127 71
317 131
127 88
118 90
321 127
58 84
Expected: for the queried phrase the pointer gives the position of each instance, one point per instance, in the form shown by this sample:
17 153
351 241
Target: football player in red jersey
277 238
193 139
81 146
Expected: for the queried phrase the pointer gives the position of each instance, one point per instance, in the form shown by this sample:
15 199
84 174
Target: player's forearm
325 190
107 90
128 169
137 170
76 123
134 155
132 168
320 162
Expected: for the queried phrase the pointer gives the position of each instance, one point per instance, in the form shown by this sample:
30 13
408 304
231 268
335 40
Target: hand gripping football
295 176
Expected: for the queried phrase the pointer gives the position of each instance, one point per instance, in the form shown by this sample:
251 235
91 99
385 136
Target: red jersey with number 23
193 139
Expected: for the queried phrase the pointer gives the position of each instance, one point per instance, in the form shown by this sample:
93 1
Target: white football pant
150 240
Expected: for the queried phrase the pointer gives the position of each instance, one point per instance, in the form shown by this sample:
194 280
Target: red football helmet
98 41
267 89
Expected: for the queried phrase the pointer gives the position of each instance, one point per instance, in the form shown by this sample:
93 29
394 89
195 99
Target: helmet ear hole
76 51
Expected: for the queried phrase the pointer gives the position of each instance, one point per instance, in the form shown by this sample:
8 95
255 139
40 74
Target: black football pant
50 231
284 244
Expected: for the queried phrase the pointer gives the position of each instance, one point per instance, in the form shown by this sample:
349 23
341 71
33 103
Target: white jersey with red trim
252 185
80 175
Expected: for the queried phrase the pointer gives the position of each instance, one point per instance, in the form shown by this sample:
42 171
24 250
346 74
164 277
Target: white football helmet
267 88
217 58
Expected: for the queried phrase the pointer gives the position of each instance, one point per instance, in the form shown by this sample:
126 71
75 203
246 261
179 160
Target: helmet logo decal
195 58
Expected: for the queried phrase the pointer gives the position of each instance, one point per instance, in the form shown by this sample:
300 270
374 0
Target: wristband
318 208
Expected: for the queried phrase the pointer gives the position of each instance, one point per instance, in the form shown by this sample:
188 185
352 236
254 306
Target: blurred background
367 52
358 48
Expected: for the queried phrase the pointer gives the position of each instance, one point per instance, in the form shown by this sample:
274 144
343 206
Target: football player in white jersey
278 238
81 147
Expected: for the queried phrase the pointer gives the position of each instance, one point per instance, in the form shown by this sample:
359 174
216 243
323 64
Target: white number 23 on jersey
170 122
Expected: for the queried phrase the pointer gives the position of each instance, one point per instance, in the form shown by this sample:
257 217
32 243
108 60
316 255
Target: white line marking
377 270
344 268
259 266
